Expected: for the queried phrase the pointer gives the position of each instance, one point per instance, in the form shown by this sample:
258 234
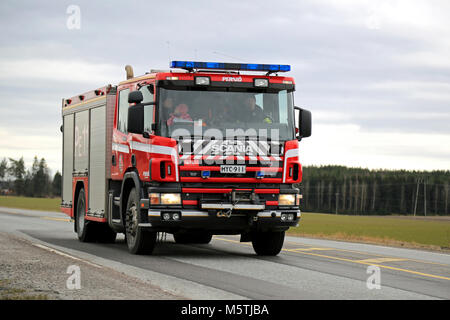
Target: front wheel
139 240
268 243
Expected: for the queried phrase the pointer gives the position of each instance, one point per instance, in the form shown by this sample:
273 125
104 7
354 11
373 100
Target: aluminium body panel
81 143
97 164
67 167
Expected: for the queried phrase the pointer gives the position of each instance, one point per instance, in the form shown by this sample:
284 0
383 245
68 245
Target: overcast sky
375 74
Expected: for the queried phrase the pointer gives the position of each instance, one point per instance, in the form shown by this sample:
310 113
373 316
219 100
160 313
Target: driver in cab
253 112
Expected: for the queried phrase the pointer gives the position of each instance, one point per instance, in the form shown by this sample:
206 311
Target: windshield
223 113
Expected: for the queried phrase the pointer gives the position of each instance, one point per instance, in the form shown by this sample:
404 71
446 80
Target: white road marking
65 255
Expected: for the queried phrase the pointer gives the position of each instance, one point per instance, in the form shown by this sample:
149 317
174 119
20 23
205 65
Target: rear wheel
85 229
268 243
188 237
139 240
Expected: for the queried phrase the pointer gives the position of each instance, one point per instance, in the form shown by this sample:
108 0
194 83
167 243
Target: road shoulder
30 271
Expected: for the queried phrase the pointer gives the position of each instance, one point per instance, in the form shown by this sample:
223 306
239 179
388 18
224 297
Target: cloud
15 144
348 145
47 71
376 72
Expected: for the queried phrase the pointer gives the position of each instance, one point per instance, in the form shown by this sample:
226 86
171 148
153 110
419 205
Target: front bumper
218 221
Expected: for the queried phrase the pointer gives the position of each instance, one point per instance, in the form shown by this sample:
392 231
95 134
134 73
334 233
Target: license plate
232 169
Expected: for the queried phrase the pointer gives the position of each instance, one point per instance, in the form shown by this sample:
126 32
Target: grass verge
395 231
44 204
8 292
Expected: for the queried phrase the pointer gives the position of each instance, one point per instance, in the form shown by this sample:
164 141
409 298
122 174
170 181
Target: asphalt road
227 269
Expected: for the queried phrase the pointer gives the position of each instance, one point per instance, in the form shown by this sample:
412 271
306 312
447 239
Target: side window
123 110
283 106
148 96
148 110
259 100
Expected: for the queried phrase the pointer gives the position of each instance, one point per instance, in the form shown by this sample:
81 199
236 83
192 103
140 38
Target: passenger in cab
180 114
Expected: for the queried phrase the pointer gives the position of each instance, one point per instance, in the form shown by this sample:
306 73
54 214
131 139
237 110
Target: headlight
170 198
286 200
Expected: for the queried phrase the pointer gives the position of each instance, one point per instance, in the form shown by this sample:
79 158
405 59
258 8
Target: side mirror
305 123
136 118
135 97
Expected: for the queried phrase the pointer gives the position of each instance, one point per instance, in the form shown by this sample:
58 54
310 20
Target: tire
139 240
198 238
268 243
85 229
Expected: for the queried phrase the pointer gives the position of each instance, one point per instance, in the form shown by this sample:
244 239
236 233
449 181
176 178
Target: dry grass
8 292
432 234
44 204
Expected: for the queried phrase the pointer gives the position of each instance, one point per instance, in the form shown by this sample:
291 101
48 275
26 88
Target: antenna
168 49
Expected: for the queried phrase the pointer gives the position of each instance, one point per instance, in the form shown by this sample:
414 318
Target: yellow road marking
372 254
312 249
56 219
381 260
374 264
354 261
17 213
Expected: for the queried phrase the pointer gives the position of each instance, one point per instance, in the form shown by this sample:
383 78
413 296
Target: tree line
16 179
331 189
338 189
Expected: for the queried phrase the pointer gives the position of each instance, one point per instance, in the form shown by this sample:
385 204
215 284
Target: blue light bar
230 66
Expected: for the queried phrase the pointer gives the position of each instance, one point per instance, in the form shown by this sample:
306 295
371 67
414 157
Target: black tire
105 234
198 238
85 229
139 240
268 243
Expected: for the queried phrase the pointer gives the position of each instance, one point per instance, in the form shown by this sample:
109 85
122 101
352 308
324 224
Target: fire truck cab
202 149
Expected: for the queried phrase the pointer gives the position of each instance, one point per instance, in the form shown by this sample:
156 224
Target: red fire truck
204 148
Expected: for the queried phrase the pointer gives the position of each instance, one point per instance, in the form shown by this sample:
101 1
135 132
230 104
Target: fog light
176 216
283 217
290 217
166 216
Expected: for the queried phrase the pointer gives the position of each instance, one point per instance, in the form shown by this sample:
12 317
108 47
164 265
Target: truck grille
230 147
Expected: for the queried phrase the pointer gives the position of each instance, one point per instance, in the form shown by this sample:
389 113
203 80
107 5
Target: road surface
227 269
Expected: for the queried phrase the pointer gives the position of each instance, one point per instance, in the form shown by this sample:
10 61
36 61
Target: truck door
140 146
120 148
